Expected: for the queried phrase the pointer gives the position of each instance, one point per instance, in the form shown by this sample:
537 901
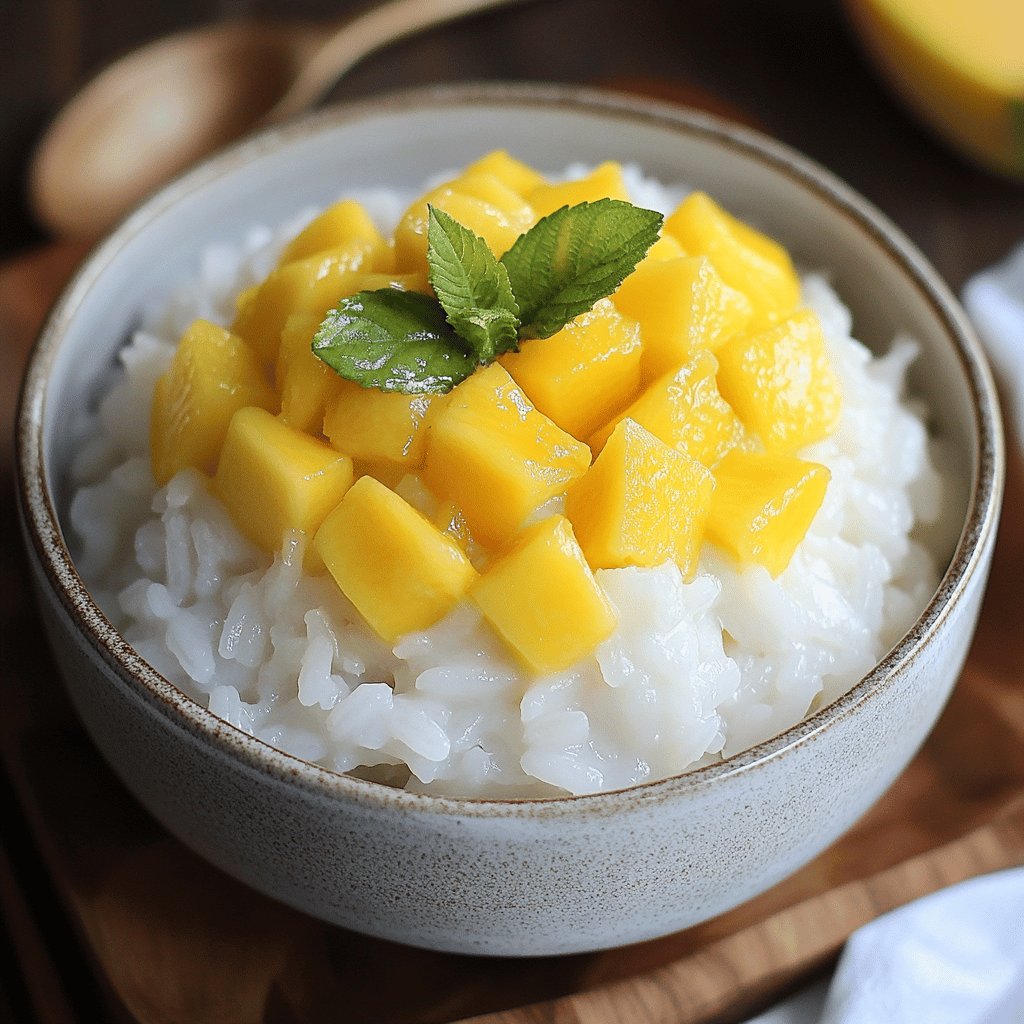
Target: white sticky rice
695 671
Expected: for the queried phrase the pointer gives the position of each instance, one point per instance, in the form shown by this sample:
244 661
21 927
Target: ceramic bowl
528 877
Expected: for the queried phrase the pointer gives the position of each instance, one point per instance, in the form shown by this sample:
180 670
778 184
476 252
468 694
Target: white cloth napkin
957 956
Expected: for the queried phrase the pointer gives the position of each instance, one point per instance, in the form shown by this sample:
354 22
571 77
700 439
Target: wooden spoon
160 109
740 974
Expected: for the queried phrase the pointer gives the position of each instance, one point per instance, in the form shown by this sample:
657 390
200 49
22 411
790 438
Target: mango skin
641 503
398 569
496 457
273 478
763 506
542 598
213 375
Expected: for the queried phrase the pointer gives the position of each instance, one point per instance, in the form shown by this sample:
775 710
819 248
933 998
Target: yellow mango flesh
665 248
401 572
213 375
497 457
306 385
781 383
763 505
377 426
340 224
519 177
685 410
311 285
543 599
681 305
273 478
746 260
604 182
480 202
641 503
583 374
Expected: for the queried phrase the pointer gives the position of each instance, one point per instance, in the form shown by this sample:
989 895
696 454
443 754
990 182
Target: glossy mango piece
685 410
641 503
781 383
213 375
305 384
400 571
273 478
667 247
543 599
681 305
746 260
497 457
583 374
519 177
604 182
763 505
340 224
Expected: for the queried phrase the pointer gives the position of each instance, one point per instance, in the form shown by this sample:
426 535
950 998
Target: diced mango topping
748 261
306 385
543 599
641 503
212 376
781 384
507 169
401 572
604 182
681 305
763 505
273 478
496 457
375 426
585 373
340 224
685 410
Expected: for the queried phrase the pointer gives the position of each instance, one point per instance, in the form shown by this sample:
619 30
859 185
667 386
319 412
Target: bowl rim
45 541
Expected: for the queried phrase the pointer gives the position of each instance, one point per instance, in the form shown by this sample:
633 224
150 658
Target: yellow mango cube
685 410
273 478
543 599
747 260
311 285
667 247
763 505
604 182
213 375
681 305
339 224
583 374
641 503
378 426
781 383
497 457
401 572
480 202
306 385
518 176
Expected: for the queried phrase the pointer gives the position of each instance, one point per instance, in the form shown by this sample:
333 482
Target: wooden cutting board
113 918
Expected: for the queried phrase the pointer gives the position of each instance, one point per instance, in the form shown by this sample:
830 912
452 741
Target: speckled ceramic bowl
527 877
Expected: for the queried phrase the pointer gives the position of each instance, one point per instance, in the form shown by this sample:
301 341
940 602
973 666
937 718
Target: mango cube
377 426
213 375
681 305
685 410
543 599
497 457
667 247
273 478
604 182
641 503
507 169
339 224
781 384
763 505
306 385
583 374
746 260
401 572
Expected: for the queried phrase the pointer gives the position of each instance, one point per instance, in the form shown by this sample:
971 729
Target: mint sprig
418 344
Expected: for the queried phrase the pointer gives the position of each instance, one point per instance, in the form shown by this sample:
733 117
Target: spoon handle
376 28
738 974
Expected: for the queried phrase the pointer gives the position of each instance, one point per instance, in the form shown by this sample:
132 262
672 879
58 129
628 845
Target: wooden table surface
94 926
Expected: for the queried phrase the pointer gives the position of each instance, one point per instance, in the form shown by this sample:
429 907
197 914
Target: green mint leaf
394 341
573 257
472 287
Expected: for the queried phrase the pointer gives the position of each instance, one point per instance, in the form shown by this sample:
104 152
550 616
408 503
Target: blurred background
791 67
